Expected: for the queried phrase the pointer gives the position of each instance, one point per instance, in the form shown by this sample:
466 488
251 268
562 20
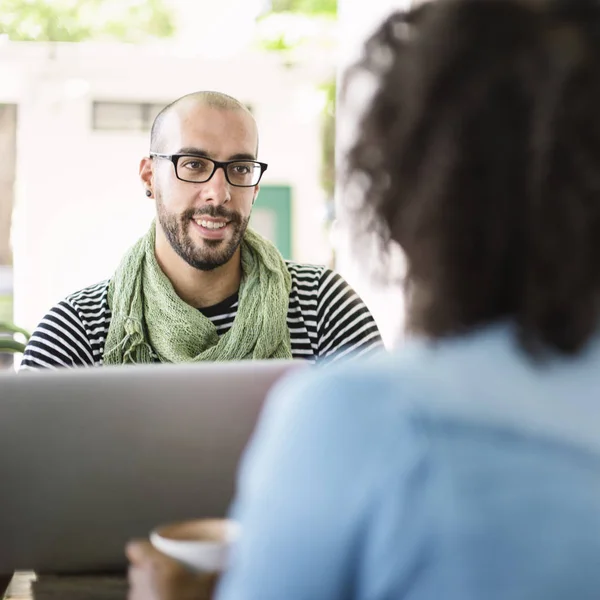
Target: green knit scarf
148 315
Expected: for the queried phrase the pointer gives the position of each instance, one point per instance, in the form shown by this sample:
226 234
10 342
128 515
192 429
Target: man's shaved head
209 99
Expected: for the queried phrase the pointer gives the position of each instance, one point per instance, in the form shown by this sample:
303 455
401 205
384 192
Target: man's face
205 222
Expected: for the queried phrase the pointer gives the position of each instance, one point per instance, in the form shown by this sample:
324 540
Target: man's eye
195 165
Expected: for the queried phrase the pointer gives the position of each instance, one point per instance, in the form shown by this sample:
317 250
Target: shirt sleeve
309 492
60 340
345 326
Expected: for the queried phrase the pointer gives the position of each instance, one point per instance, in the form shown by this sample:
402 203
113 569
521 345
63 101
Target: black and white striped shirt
326 318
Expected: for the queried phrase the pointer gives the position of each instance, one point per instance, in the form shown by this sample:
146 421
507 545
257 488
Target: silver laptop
90 458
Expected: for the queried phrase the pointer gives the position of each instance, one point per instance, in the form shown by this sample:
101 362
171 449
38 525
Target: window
124 116
127 116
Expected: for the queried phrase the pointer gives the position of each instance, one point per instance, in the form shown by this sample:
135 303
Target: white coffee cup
202 545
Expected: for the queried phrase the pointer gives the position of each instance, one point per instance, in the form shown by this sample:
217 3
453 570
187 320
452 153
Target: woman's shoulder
482 377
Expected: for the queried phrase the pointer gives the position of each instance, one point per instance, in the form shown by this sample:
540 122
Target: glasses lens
244 173
194 168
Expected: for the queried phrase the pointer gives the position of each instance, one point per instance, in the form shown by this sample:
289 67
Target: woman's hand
155 576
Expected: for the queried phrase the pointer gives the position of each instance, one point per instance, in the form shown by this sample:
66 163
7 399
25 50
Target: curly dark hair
479 154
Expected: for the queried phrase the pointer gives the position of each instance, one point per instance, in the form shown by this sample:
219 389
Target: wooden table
26 586
17 587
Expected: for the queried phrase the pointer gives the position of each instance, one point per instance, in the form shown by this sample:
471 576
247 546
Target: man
201 285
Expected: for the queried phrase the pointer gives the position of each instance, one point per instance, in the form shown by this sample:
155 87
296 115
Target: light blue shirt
461 471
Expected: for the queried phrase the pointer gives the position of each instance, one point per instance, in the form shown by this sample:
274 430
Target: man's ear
256 190
147 174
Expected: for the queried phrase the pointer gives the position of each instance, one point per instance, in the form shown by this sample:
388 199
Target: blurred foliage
292 25
328 140
6 307
79 20
8 343
277 43
288 33
308 7
289 24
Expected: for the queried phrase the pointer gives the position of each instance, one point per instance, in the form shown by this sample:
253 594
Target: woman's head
480 152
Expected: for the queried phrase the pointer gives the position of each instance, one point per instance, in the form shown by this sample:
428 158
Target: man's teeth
211 224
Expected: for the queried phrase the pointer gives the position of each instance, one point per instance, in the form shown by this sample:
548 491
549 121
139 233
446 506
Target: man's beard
214 253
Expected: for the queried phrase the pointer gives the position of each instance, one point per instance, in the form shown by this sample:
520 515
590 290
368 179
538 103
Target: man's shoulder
320 275
306 279
88 303
306 270
72 332
317 278
92 295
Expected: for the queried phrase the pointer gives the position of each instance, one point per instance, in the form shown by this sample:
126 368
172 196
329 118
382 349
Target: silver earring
148 193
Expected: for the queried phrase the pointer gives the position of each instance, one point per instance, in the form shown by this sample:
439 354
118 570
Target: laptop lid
90 458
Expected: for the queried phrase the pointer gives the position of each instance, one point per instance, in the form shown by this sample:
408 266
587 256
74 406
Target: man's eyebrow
192 150
200 152
242 156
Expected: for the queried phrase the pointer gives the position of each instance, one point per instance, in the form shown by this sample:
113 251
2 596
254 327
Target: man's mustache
216 212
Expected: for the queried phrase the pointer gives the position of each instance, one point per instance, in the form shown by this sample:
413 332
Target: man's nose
217 187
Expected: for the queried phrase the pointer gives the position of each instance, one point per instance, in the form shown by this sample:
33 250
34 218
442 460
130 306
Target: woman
467 463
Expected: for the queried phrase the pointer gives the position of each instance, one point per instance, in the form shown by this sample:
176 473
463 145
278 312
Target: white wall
79 203
357 264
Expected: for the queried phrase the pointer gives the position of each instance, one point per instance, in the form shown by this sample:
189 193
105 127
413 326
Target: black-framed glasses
193 168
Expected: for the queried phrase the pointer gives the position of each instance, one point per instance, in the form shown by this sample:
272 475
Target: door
272 216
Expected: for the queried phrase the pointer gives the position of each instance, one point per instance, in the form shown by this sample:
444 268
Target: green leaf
10 345
10 328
